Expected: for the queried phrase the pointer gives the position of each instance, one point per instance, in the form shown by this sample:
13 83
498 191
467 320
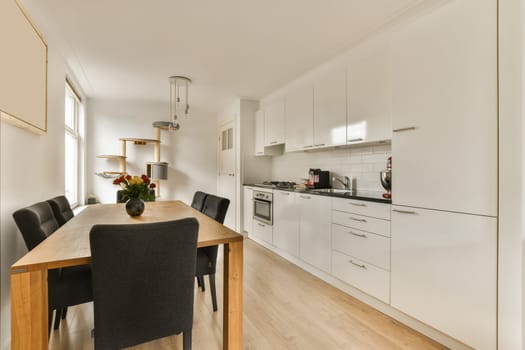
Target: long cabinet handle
404 129
356 264
284 193
360 220
319 145
362 235
273 142
261 225
305 197
308 146
404 211
355 140
358 204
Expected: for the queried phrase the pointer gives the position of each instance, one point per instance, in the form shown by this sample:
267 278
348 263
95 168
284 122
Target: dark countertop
371 196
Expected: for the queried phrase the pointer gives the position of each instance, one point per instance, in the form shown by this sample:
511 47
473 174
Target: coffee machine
318 178
386 179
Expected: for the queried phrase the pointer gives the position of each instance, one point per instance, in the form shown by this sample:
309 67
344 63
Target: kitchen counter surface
371 196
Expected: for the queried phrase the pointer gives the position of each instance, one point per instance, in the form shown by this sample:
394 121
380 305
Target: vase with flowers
136 190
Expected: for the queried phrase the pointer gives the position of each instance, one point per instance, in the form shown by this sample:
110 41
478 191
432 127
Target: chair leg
49 319
213 292
58 313
186 340
201 283
64 312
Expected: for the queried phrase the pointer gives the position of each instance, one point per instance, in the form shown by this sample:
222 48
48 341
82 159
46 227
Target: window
72 146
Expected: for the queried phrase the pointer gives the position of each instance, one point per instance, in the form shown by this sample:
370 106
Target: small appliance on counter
318 178
386 178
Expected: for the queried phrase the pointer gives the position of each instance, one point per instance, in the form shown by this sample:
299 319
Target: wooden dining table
69 246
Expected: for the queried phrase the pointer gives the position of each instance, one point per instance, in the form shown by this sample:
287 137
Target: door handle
355 140
358 204
409 128
404 211
362 235
319 145
356 264
305 197
360 220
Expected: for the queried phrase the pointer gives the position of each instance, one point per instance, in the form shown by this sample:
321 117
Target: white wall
31 170
362 163
189 151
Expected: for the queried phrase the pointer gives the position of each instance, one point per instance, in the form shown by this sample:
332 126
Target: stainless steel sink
332 190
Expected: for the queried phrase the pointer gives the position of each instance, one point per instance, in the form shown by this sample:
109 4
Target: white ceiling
126 49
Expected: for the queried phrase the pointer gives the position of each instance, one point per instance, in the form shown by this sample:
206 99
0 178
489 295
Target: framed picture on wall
23 69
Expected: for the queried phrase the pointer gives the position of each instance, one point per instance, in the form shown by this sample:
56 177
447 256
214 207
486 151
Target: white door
226 172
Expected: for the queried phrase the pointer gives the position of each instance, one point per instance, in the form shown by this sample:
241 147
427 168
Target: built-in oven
263 206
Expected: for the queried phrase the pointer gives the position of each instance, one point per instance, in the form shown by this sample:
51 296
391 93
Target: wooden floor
284 308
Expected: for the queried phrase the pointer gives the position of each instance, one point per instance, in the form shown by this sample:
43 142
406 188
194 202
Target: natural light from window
72 145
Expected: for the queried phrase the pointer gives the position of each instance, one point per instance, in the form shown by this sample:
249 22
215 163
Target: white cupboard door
248 210
330 109
443 272
259 133
315 224
444 109
274 123
285 222
369 93
299 119
262 231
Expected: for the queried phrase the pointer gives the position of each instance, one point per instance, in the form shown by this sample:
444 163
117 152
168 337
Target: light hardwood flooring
284 308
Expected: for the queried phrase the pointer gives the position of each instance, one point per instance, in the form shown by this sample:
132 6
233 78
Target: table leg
233 296
29 315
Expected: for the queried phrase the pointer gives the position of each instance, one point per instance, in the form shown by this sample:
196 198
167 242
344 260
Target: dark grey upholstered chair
198 200
61 209
67 286
216 208
120 200
143 281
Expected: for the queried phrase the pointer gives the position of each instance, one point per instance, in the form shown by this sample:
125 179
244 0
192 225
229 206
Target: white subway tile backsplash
364 163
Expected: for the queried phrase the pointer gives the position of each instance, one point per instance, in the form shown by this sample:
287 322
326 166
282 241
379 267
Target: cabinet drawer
368 247
360 222
375 210
366 277
262 231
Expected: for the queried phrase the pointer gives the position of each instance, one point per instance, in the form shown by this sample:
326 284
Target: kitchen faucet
347 183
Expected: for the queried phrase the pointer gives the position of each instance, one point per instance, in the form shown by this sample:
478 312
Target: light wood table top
69 245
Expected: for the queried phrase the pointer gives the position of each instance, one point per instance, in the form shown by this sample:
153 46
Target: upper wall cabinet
330 109
299 119
444 109
274 123
369 93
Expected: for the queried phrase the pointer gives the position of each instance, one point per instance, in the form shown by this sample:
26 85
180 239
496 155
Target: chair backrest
36 223
216 207
120 200
198 200
143 281
61 209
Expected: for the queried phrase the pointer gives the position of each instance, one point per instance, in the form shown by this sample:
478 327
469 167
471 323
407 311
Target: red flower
118 180
145 178
152 185
128 177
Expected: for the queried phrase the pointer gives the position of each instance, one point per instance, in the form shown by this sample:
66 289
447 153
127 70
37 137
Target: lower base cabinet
315 245
443 272
262 231
364 276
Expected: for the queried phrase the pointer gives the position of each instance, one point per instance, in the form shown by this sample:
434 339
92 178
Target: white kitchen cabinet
259 133
443 272
285 222
369 93
299 119
248 209
362 275
360 222
262 231
274 123
444 109
330 109
315 224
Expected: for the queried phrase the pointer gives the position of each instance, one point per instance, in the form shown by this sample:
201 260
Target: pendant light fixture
179 102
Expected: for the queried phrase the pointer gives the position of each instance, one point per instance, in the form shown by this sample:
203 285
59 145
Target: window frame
76 134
